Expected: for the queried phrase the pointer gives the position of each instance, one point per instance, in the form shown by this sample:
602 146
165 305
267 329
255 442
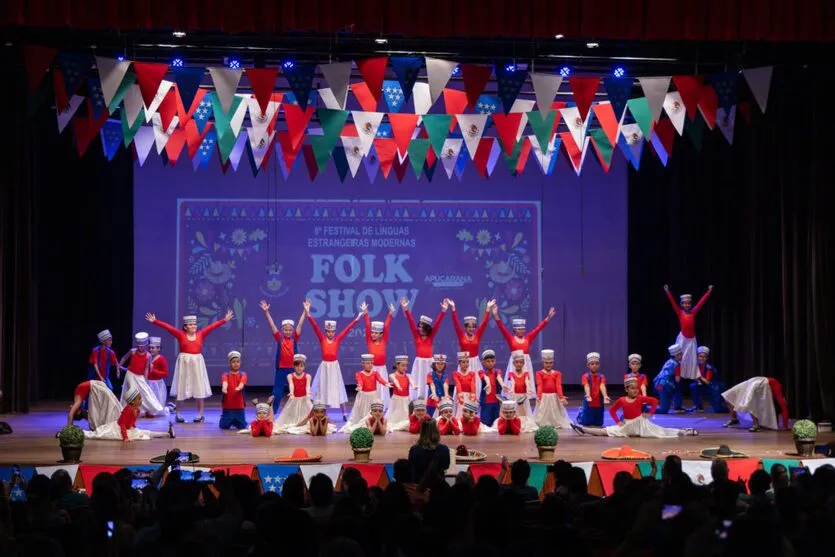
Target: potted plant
805 434
71 440
361 442
546 438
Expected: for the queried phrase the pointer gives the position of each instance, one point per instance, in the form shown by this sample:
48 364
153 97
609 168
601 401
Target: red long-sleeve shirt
138 363
400 383
523 344
299 384
777 393
378 349
127 420
233 399
83 390
597 379
286 348
642 379
549 383
190 346
471 427
520 383
464 382
632 408
159 368
367 382
261 428
414 423
330 348
687 320
490 378
509 427
450 426
424 345
471 345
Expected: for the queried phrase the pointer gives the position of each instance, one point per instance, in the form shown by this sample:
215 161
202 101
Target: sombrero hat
299 455
192 459
722 451
625 453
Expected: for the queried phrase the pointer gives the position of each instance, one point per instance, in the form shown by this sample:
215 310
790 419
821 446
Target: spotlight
456 70
619 72
592 45
233 63
559 36
510 68
288 65
179 34
565 71
120 58
177 62
381 40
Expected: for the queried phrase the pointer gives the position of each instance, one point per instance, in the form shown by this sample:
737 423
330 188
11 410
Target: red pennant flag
584 90
572 150
605 114
149 75
741 469
603 475
90 471
708 105
288 150
38 60
193 136
236 469
690 88
401 167
297 121
168 107
475 79
507 126
482 155
174 146
276 98
455 102
198 98
744 108
386 153
431 157
86 129
262 81
485 469
402 127
523 156
62 101
666 133
310 161
371 473
373 71
364 96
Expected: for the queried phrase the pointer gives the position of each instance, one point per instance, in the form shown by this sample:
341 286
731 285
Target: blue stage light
619 72
288 65
510 68
234 63
177 62
565 71
121 58
456 70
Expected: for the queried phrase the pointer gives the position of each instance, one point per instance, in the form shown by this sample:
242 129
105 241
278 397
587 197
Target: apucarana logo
448 281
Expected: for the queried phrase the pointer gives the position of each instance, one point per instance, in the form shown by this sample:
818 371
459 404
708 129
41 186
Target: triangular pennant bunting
367 124
149 75
475 79
438 72
472 128
449 155
188 82
545 87
437 128
509 81
373 70
655 90
584 89
300 78
393 93
338 74
618 91
674 107
759 82
690 89
262 82
406 69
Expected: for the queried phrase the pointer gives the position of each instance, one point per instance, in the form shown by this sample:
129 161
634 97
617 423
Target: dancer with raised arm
757 397
328 384
377 337
686 314
469 338
424 335
520 340
287 339
191 378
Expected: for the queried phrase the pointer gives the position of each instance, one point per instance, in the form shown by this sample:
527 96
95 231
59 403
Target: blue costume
489 411
712 390
592 415
667 388
439 381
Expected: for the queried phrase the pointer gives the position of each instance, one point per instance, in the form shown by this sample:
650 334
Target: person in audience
321 497
520 472
429 457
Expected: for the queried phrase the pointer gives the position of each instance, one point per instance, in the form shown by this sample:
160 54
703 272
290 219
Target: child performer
634 423
466 383
493 385
447 423
470 422
469 338
508 423
287 339
367 380
375 421
418 416
666 382
136 376
519 384
124 428
594 384
101 358
424 335
550 400
158 371
102 405
687 337
521 341
635 361
438 381
263 424
328 384
757 396
316 423
376 338
708 383
299 405
191 379
397 414
232 387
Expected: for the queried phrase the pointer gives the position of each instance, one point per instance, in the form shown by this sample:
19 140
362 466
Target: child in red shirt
470 422
397 414
317 421
447 423
124 429
594 384
232 386
287 339
493 385
509 423
263 424
418 416
376 421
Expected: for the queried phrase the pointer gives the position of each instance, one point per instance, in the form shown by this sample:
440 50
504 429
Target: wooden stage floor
33 441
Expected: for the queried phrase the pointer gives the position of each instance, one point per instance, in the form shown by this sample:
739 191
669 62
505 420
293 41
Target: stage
33 441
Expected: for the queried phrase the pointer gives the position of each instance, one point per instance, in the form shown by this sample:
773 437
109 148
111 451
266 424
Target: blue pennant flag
725 85
509 80
111 138
207 148
6 472
340 160
393 94
384 130
555 156
390 472
406 69
188 82
487 104
96 96
300 78
618 90
290 98
273 476
203 112
74 68
463 157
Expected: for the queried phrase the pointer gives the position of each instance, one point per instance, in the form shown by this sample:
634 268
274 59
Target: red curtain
695 20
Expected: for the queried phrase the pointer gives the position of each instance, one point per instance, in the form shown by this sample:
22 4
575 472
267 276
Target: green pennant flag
768 463
332 122
127 82
542 127
645 468
539 472
695 129
513 158
321 150
418 149
643 115
604 148
128 132
437 128
222 119
226 142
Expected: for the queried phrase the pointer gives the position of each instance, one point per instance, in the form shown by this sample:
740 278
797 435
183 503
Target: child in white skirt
367 381
299 404
102 405
316 423
466 383
328 384
550 405
424 335
520 339
376 339
518 383
397 414
124 429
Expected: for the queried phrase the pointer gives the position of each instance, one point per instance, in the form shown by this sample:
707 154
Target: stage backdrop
206 242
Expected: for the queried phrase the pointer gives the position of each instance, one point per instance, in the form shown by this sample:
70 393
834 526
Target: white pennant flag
438 72
65 116
372 165
813 465
353 152
261 120
759 81
421 98
543 157
725 122
472 128
164 86
449 154
337 75
133 104
524 106
330 470
70 469
161 136
226 83
142 141
579 167
238 150
587 468
111 74
237 119
259 145
655 90
328 99
674 107
545 86
367 124
698 471
634 141
575 123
